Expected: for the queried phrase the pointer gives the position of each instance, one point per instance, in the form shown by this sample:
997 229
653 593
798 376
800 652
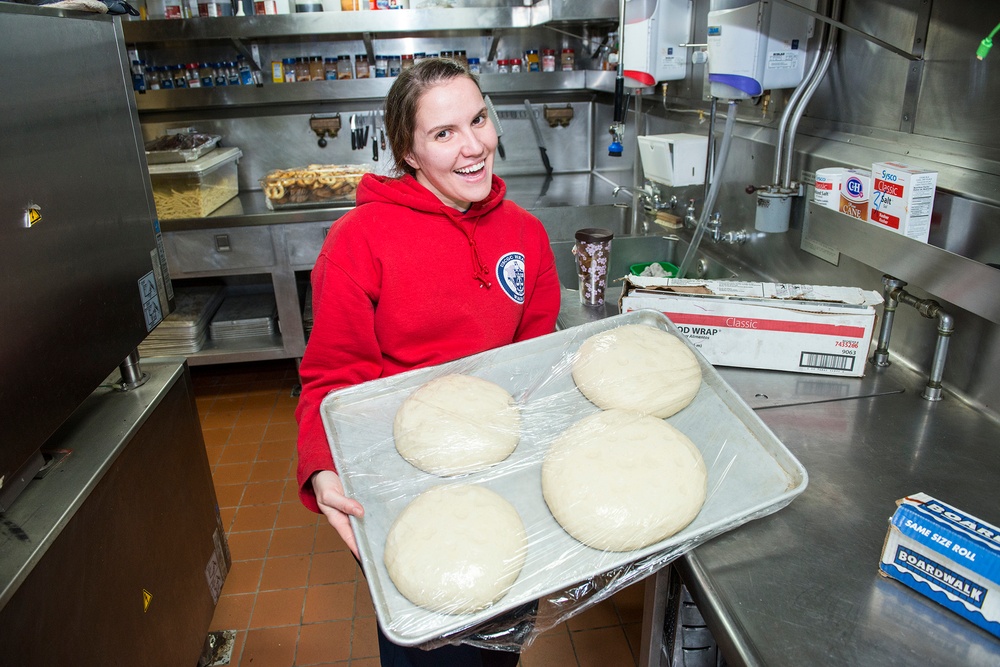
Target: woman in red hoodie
429 267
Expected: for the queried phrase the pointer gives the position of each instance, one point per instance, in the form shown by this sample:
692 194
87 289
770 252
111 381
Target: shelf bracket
494 45
369 48
846 28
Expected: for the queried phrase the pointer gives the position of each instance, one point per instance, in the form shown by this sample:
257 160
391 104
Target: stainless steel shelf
959 280
357 23
353 90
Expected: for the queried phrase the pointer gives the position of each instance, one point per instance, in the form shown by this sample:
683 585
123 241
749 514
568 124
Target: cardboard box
902 199
947 555
801 328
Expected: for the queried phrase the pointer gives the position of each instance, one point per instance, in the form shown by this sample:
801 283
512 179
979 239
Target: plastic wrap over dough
457 424
620 481
456 549
637 368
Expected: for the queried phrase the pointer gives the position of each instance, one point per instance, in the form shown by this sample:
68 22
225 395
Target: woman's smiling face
454 143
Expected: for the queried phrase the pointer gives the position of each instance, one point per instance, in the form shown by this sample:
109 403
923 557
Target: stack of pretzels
314 184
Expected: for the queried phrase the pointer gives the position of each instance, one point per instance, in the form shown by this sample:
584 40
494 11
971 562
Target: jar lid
594 234
567 50
548 52
343 57
515 61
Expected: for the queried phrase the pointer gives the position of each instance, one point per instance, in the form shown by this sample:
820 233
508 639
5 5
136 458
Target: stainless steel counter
801 587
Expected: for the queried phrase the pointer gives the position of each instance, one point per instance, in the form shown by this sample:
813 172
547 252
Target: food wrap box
802 328
750 474
947 555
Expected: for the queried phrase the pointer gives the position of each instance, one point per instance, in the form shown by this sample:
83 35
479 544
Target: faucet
690 215
649 195
714 228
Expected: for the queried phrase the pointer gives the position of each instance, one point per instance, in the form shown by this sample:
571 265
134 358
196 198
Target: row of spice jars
318 68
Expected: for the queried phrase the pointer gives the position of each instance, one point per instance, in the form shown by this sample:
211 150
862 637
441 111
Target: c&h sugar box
902 199
947 555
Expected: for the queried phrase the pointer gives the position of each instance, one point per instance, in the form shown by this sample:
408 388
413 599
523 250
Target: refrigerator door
81 278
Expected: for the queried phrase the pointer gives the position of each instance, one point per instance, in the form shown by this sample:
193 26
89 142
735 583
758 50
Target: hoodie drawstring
482 273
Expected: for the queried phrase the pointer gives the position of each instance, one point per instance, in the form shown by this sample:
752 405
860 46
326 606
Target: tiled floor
294 595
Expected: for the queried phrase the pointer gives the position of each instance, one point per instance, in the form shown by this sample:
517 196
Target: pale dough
456 549
638 368
457 424
619 481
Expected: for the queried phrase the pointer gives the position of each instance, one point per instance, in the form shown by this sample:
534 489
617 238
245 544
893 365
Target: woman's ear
412 161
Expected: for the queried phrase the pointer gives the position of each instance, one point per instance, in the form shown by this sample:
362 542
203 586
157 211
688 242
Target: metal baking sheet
751 473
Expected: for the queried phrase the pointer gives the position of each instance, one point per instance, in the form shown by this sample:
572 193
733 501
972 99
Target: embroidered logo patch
510 275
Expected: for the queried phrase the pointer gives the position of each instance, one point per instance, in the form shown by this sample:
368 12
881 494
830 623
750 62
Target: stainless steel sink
629 250
561 222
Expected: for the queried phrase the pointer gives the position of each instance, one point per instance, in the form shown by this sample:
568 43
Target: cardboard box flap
852 296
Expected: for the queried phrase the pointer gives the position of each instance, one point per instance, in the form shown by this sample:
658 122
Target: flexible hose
713 192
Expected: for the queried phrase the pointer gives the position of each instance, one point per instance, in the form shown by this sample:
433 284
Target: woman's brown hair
404 95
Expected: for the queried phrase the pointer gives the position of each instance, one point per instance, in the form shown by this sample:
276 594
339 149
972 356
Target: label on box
800 328
902 199
947 555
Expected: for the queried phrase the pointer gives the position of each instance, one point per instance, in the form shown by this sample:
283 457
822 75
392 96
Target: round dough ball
457 424
619 481
456 549
638 368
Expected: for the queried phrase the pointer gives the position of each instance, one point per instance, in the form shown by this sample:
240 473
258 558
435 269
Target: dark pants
392 655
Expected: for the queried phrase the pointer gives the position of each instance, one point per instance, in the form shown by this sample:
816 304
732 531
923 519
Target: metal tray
751 473
209 142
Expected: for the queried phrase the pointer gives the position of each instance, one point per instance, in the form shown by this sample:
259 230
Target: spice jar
406 63
532 63
344 68
192 75
548 60
461 58
361 68
288 70
395 64
316 70
330 69
302 69
568 60
503 66
381 67
474 66
515 65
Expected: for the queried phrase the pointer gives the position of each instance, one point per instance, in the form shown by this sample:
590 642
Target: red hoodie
404 281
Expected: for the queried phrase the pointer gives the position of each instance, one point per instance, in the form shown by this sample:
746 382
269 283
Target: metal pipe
793 102
890 286
831 48
946 326
132 375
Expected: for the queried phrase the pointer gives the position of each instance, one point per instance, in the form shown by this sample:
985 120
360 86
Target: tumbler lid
594 235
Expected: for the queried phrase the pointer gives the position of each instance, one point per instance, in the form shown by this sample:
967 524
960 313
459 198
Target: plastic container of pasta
195 189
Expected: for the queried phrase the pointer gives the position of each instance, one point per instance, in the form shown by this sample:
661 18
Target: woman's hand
336 506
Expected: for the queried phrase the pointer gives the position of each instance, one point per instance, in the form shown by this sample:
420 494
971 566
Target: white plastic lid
203 165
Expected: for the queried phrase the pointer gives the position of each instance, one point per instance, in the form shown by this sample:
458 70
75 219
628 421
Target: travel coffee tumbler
592 250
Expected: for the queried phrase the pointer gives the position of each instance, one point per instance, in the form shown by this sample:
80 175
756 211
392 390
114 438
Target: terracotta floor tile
229 495
292 541
363 605
365 662
233 612
248 545
235 473
327 539
285 572
550 649
629 601
264 471
232 404
264 493
284 411
276 608
329 603
239 641
246 434
364 638
220 419
324 643
215 436
333 567
255 415
243 453
243 577
602 647
254 517
601 615
291 489
213 453
633 633
278 450
270 647
294 514
227 514
281 430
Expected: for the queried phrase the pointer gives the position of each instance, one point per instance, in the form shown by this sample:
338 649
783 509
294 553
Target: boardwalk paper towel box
674 159
947 555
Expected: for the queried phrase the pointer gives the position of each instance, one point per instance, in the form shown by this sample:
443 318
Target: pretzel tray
751 473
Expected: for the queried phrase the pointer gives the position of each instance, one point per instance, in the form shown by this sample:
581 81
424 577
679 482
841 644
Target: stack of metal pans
185 330
245 316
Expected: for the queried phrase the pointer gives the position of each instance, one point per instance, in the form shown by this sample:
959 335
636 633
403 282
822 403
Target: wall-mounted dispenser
654 32
674 159
756 45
